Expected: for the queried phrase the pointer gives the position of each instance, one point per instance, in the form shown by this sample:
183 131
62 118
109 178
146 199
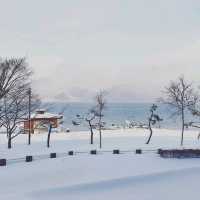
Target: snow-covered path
105 176
167 185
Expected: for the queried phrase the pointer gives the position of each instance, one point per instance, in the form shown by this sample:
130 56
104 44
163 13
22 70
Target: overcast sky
132 48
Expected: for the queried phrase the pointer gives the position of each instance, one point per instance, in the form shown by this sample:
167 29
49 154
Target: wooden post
159 151
2 162
70 153
52 155
93 152
116 151
29 158
29 117
138 151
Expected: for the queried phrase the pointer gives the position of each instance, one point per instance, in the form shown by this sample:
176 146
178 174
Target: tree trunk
100 145
151 132
49 136
9 142
29 133
100 137
92 138
91 133
183 126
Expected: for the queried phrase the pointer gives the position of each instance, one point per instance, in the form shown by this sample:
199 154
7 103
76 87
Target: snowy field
104 176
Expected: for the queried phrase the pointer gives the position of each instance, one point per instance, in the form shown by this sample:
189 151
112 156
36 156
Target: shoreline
115 132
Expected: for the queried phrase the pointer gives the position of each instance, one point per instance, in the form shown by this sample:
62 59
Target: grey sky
131 48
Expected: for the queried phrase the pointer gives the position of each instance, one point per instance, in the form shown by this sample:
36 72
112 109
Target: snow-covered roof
45 115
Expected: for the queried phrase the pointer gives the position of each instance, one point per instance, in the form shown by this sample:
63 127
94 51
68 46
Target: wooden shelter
39 121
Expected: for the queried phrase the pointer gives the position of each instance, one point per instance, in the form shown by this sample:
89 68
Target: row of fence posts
3 162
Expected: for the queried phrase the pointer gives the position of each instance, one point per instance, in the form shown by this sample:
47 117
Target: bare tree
98 112
14 109
50 127
180 97
89 119
48 124
152 120
195 111
12 71
14 87
49 134
45 124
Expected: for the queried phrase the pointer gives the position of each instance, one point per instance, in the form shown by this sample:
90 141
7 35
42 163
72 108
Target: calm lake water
115 113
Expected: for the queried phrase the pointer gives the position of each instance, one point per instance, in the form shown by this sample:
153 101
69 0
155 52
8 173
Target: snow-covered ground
103 176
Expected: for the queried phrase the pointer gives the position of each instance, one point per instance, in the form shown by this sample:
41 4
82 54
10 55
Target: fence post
138 151
116 151
2 162
52 155
159 151
70 153
93 152
29 158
